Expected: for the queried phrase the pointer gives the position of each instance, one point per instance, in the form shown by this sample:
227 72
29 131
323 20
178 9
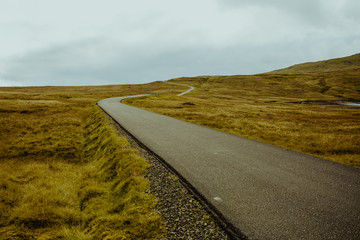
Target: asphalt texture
264 191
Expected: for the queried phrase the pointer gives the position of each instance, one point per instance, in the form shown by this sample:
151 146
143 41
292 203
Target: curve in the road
266 191
191 88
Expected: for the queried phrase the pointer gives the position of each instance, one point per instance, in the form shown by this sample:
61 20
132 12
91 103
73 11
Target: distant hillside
336 64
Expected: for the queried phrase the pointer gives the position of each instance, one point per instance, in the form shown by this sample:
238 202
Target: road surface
264 191
180 84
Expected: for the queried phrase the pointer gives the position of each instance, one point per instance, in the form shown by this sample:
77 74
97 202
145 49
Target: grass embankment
64 172
259 107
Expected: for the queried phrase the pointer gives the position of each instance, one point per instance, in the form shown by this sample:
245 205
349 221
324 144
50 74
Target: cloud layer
114 42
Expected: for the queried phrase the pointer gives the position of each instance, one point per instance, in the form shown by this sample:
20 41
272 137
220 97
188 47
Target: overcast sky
96 42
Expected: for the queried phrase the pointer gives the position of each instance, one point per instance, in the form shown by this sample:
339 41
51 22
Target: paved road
265 191
180 84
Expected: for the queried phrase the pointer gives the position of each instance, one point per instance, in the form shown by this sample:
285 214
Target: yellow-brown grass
64 173
259 107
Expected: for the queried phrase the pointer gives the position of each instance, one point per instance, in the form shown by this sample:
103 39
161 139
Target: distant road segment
180 84
264 191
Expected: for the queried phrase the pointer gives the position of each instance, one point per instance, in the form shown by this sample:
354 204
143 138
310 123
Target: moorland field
66 174
265 107
64 171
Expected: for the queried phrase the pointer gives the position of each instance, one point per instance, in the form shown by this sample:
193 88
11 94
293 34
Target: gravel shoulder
183 214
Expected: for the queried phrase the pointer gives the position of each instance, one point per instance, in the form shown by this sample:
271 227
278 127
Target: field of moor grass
66 174
266 108
64 171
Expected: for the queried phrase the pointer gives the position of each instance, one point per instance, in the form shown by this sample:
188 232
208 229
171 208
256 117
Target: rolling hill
332 65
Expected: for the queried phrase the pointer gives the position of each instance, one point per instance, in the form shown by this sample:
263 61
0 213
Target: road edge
233 232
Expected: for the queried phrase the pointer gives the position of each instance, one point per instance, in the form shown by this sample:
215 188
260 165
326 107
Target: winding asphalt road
264 191
180 84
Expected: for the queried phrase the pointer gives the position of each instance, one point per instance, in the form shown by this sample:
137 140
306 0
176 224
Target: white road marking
218 199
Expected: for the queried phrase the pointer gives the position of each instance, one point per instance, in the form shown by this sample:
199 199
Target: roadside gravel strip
184 216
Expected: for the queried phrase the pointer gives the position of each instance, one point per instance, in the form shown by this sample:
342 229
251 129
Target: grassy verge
260 107
112 193
65 174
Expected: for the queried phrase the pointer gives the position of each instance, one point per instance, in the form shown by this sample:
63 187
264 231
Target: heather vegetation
266 108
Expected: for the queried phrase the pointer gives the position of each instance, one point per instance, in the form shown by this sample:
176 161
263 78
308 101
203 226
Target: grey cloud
312 12
296 5
242 37
351 10
74 64
71 65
